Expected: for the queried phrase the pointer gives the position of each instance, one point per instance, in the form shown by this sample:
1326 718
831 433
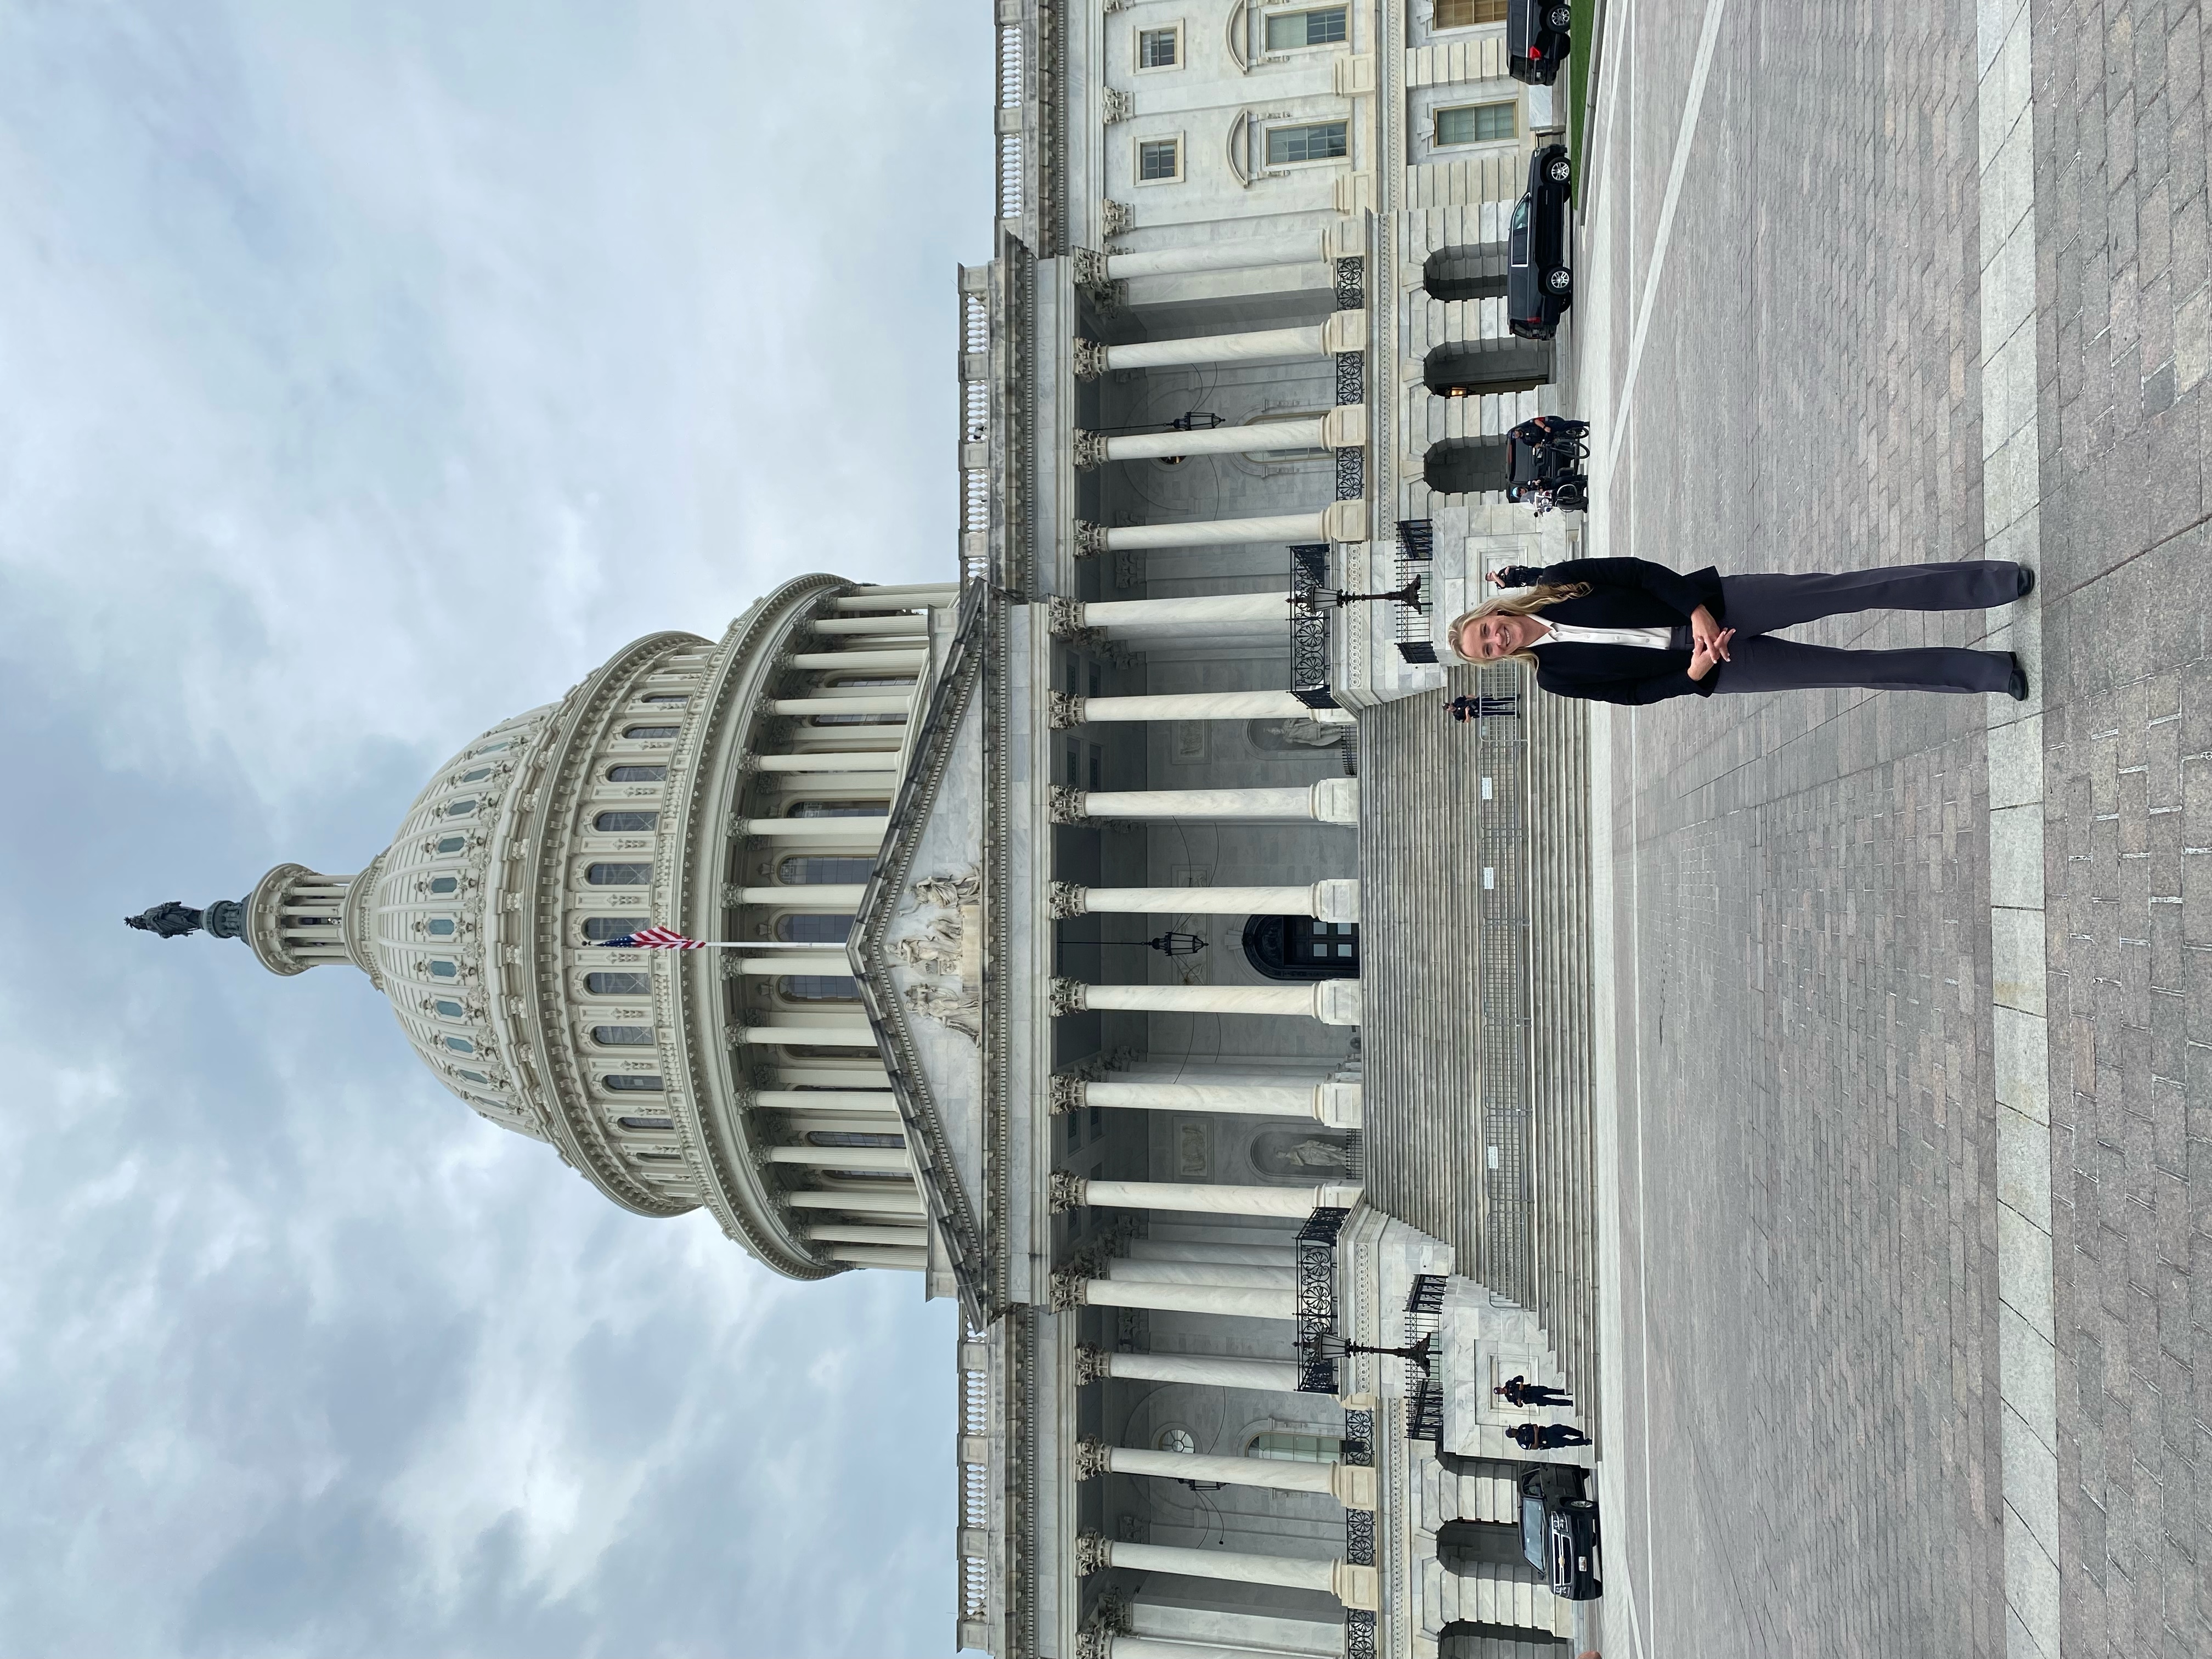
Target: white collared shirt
1647 638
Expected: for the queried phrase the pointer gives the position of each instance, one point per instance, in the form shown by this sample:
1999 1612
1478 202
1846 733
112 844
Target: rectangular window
1466 14
1312 140
1159 159
1477 123
1097 767
1158 48
1287 30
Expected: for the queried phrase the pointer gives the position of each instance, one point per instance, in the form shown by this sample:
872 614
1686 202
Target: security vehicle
1559 1532
1536 38
1540 284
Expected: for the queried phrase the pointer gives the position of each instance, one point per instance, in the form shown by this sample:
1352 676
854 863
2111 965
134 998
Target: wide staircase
1474 897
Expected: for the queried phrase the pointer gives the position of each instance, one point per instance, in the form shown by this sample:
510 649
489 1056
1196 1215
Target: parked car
1559 1532
1536 38
1540 283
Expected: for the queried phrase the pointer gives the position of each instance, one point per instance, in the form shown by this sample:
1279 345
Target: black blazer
1624 593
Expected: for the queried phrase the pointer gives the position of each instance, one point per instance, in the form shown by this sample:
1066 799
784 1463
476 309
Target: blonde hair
1526 604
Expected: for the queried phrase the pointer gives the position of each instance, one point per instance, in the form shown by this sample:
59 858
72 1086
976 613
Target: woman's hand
1497 577
1708 633
1704 654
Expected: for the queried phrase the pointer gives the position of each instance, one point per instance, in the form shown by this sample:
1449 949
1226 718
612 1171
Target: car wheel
1559 169
1559 17
1558 279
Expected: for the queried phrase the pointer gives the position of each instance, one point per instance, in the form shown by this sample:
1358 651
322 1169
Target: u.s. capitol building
1111 935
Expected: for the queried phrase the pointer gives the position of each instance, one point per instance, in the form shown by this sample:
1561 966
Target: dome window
648 731
618 875
810 871
618 985
817 987
865 1174
493 748
813 928
646 1123
476 774
473 1077
657 1155
460 1045
626 823
633 1083
459 809
449 1009
441 928
452 843
599 929
445 884
636 773
675 697
621 1036
442 970
856 720
839 809
844 1138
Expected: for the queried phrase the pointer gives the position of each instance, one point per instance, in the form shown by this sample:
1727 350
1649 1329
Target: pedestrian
1520 1391
1539 430
1506 707
1628 631
1547 1436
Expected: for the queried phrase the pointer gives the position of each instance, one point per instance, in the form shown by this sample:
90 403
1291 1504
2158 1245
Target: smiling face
1487 639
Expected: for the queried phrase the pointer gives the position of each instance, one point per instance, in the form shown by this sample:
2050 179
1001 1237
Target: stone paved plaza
1791 310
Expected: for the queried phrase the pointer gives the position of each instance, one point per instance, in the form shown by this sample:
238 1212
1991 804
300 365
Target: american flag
654 939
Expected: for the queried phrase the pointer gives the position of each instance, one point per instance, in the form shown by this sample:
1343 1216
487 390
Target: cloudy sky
369 372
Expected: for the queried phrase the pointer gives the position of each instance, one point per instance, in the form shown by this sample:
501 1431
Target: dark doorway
1300 948
1474 271
1472 368
1466 466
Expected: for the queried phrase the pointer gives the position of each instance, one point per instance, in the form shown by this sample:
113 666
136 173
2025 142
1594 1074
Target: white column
849 626
854 1232
830 703
1335 900
908 597
1340 521
829 896
842 1158
1208 1370
1333 1104
867 829
824 959
1343 331
791 1031
1213 609
1203 1198
899 1200
830 760
1356 1587
849 661
1273 1637
880 1256
1231 253
1332 1001
1114 1646
1281 1253
1128 1270
1352 1487
1194 706
1333 800
1225 1301
824 1100
1256 437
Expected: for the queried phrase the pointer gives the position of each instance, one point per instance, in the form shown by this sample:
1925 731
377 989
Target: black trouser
1757 605
1542 1394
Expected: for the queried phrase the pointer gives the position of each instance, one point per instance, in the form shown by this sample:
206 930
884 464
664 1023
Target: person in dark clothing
1520 1391
1547 1436
1628 631
1547 428
1484 708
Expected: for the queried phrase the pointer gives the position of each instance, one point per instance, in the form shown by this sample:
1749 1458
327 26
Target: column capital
1069 1094
1092 1554
1090 268
1067 711
1089 539
1066 1292
1065 803
1090 1364
1066 899
1064 617
1066 995
1090 358
1091 1457
1089 449
1066 1190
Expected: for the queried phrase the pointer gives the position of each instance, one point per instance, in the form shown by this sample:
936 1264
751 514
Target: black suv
1558 1532
1536 38
1540 285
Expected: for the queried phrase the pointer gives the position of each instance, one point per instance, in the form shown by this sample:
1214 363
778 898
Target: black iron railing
1316 1299
1310 574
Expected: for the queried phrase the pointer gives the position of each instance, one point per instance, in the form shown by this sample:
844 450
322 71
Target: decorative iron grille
1424 1318
1416 544
1350 283
1359 1634
1351 377
1359 1537
1310 575
1359 1439
1316 1298
1351 474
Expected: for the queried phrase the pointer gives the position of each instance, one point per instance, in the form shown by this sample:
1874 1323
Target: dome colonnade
736 791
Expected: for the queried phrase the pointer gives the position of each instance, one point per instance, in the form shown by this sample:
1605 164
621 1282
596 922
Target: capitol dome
736 791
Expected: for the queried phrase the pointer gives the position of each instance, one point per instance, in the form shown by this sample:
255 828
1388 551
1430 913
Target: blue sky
369 373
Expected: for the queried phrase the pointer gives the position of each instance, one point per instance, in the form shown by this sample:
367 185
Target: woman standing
1627 631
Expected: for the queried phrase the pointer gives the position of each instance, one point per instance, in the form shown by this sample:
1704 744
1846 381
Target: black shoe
2026 583
2017 686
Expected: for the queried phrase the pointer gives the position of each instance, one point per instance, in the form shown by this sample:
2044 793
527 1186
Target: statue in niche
948 1006
936 950
1311 1154
950 891
1288 736
1299 1155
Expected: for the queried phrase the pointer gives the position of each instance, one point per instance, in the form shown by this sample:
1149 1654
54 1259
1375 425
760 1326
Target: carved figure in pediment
936 950
951 892
948 1006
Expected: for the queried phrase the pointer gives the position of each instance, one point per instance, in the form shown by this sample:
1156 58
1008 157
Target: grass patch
1583 39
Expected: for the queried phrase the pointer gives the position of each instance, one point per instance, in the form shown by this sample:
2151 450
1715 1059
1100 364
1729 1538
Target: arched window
1467 466
441 969
459 809
678 697
632 1083
476 774
1471 368
838 809
452 843
1300 948
441 928
657 1155
1476 271
1283 1448
1177 1440
847 1137
636 773
817 987
445 884
618 875
646 1123
813 928
618 985
599 929
648 731
626 823
460 1045
621 1036
447 1008
493 748
812 870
